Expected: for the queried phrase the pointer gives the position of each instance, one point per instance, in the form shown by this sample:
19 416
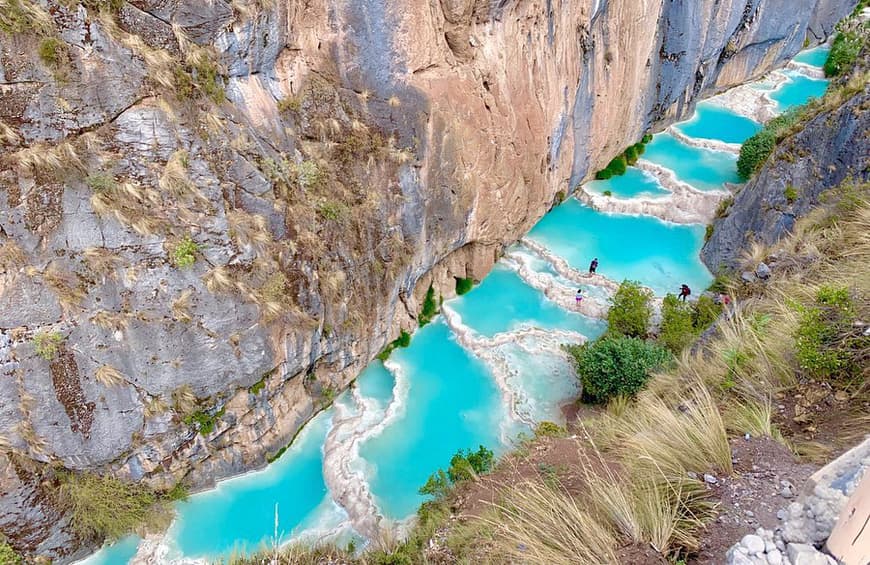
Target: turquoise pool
634 183
714 122
659 254
702 168
503 302
240 513
814 57
798 90
452 403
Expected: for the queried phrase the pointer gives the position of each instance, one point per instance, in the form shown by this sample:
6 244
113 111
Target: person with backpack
685 291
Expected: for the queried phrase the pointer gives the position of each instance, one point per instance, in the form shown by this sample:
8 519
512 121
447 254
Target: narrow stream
489 366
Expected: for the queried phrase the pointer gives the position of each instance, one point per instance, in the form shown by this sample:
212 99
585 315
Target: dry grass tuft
65 285
219 280
539 524
58 161
249 230
109 376
7 134
184 400
102 262
181 307
12 257
111 321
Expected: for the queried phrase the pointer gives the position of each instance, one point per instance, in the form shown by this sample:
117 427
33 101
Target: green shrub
404 340
100 182
430 308
549 429
825 342
608 193
464 465
618 165
208 78
108 508
8 555
640 147
755 150
463 285
333 211
616 365
630 310
708 232
790 194
184 253
204 421
844 52
603 174
646 138
631 155
47 344
676 330
258 386
704 313
52 52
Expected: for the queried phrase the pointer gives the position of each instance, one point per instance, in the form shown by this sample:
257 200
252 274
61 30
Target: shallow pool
634 183
702 168
240 513
451 403
659 254
815 57
715 122
798 90
503 302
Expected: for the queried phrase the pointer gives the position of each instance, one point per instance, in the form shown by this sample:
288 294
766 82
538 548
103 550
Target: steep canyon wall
220 211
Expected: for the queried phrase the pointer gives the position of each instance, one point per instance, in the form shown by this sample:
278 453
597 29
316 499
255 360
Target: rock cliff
214 213
830 148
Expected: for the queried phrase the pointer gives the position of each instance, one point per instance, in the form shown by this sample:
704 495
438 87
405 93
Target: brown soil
821 421
751 498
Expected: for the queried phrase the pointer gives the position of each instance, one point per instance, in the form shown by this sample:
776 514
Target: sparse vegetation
430 308
100 181
708 232
204 420
463 286
616 365
851 37
826 342
608 193
630 310
790 194
47 344
619 165
404 340
52 51
104 507
184 253
755 150
8 555
23 16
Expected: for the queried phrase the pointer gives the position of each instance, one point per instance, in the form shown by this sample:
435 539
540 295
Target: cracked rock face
230 208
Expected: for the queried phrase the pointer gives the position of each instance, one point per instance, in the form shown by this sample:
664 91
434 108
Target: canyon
327 165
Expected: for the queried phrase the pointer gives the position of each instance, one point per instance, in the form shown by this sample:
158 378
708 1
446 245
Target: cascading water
491 363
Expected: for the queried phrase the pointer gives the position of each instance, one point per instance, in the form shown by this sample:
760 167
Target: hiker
579 296
593 266
685 291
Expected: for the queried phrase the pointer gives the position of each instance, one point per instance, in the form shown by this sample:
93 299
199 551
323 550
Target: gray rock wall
831 148
330 160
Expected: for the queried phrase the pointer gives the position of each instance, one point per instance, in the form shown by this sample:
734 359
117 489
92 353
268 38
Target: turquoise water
452 403
240 512
119 553
659 254
702 168
814 57
798 90
503 302
714 122
633 183
377 383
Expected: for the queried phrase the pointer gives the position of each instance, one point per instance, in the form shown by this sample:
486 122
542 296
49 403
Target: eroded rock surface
228 209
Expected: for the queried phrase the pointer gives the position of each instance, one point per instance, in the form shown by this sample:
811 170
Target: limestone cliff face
831 148
226 209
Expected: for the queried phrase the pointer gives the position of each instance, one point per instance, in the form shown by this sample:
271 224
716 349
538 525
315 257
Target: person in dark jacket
685 291
593 266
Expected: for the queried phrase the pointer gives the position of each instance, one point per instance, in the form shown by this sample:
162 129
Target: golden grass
65 285
7 134
218 280
102 261
184 400
56 161
181 307
12 257
539 524
109 376
670 439
754 418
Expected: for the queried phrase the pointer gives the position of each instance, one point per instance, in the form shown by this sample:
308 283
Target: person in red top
685 291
